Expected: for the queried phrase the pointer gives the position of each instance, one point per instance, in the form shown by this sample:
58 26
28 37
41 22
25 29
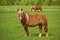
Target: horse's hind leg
26 31
40 30
41 10
46 30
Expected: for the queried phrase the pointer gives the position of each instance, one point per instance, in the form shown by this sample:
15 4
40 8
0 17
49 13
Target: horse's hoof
25 35
40 35
46 34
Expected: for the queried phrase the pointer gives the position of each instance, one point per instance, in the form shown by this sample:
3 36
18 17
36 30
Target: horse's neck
25 18
23 21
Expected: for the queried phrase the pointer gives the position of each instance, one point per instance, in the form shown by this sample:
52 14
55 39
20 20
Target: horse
36 8
28 20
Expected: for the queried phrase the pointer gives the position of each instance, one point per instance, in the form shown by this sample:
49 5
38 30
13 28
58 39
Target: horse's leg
31 9
41 10
35 9
40 30
46 30
26 31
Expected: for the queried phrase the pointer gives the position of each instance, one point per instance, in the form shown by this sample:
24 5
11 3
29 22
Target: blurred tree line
30 2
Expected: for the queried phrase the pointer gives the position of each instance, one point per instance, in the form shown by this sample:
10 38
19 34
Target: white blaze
20 18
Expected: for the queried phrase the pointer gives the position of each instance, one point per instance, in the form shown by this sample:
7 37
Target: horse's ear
18 9
21 9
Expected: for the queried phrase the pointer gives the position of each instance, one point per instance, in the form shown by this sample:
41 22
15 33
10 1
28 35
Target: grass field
11 28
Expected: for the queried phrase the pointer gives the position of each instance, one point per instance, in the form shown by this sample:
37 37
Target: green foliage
30 2
50 2
39 2
20 2
6 2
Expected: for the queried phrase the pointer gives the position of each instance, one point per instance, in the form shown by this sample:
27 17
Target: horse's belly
33 22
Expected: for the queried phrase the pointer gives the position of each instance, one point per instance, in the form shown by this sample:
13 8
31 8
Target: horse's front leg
41 10
26 31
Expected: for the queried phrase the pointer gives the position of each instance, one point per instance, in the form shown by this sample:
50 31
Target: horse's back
37 18
38 15
38 7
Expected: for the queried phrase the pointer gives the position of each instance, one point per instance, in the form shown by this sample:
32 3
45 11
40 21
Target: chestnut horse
33 20
36 8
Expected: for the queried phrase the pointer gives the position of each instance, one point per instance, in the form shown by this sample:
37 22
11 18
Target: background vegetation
30 2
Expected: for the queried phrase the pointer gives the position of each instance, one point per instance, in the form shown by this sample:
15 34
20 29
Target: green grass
11 28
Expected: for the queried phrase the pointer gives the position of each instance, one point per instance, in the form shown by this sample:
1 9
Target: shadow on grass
42 34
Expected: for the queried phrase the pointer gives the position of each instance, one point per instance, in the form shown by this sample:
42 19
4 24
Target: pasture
11 28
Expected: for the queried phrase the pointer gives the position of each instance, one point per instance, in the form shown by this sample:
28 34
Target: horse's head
23 16
20 13
32 8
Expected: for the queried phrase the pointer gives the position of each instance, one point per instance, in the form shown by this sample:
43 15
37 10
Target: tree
39 2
